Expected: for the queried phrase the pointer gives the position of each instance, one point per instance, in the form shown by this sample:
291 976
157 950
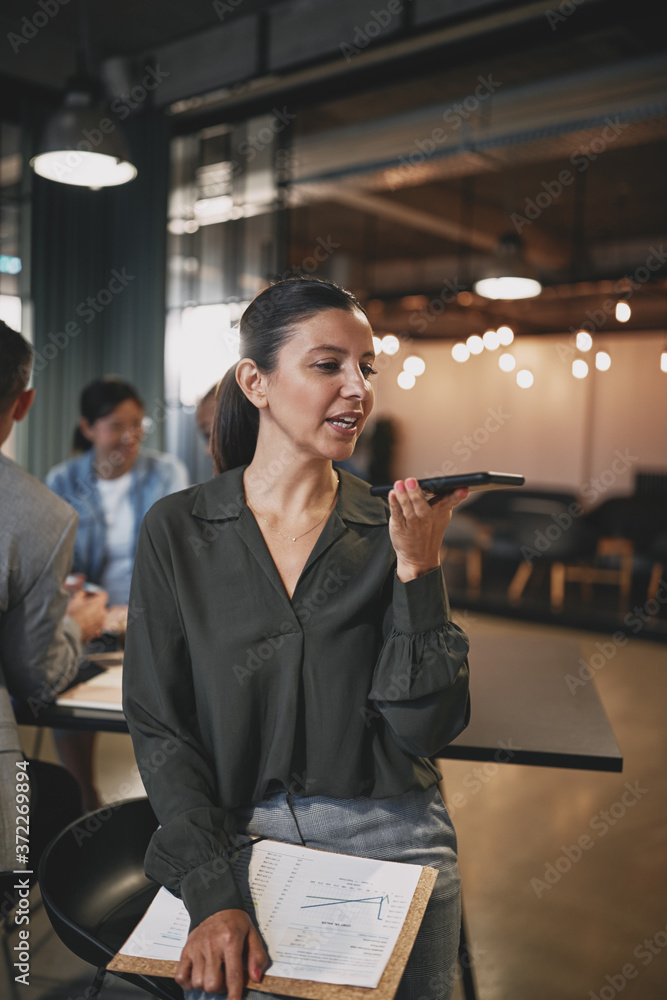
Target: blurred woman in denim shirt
111 483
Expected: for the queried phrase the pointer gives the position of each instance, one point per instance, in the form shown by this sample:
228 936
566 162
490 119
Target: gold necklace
312 528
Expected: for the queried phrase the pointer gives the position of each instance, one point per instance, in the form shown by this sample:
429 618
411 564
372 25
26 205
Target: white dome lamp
82 143
75 149
508 275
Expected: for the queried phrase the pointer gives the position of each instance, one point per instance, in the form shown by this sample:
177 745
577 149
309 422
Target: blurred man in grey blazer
41 627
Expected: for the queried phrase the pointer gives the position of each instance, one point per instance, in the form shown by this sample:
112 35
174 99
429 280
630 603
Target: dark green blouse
345 690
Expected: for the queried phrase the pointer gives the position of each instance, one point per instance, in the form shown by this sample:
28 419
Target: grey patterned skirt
415 828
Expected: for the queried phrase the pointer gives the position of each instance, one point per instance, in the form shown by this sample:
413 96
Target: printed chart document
326 918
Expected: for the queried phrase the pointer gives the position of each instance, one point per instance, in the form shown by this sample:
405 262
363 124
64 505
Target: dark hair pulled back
15 363
98 399
266 325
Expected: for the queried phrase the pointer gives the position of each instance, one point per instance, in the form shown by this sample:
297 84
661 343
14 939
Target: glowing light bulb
414 365
584 341
579 368
390 344
602 361
491 340
406 380
505 335
475 344
623 311
507 362
377 345
663 361
524 378
460 352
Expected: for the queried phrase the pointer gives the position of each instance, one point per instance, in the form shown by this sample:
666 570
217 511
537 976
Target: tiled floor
596 931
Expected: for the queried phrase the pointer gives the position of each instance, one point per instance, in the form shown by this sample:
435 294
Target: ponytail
266 325
235 425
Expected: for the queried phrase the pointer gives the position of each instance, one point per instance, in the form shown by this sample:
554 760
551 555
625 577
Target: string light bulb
579 368
524 378
414 365
506 362
505 335
584 341
475 344
390 344
623 311
602 361
460 352
406 380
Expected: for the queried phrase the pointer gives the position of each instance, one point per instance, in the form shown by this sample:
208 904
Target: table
522 709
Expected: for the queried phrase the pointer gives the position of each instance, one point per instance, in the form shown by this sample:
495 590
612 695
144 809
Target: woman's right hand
212 959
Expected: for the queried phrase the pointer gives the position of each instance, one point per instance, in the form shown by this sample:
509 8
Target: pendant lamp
82 143
508 275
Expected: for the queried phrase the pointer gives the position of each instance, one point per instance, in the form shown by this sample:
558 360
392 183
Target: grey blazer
39 648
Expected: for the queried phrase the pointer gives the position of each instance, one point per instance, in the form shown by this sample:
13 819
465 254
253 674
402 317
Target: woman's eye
368 370
328 366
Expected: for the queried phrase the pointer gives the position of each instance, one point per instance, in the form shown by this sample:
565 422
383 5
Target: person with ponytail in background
111 483
295 666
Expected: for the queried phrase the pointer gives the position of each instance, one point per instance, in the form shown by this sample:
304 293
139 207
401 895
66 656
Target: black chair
464 542
94 889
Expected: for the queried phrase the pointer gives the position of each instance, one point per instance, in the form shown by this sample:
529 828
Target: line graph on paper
316 901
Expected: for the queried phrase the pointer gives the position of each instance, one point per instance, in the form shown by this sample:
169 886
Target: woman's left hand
416 527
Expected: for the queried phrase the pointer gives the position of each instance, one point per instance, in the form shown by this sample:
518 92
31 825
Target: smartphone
441 485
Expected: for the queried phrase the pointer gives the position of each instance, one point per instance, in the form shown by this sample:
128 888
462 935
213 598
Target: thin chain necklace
312 528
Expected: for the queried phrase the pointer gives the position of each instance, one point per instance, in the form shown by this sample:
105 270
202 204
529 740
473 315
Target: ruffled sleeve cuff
209 888
420 604
424 651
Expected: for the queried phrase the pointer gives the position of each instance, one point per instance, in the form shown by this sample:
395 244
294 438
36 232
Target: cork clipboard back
385 990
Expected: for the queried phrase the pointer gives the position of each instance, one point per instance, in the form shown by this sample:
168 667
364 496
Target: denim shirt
154 476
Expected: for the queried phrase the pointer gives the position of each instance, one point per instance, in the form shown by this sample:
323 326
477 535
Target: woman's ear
252 382
86 428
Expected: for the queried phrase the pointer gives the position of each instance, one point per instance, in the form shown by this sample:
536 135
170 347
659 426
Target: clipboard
308 989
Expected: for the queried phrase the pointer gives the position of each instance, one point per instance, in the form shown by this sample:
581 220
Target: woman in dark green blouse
290 664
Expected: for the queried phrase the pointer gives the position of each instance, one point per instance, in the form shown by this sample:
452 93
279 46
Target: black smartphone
442 485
